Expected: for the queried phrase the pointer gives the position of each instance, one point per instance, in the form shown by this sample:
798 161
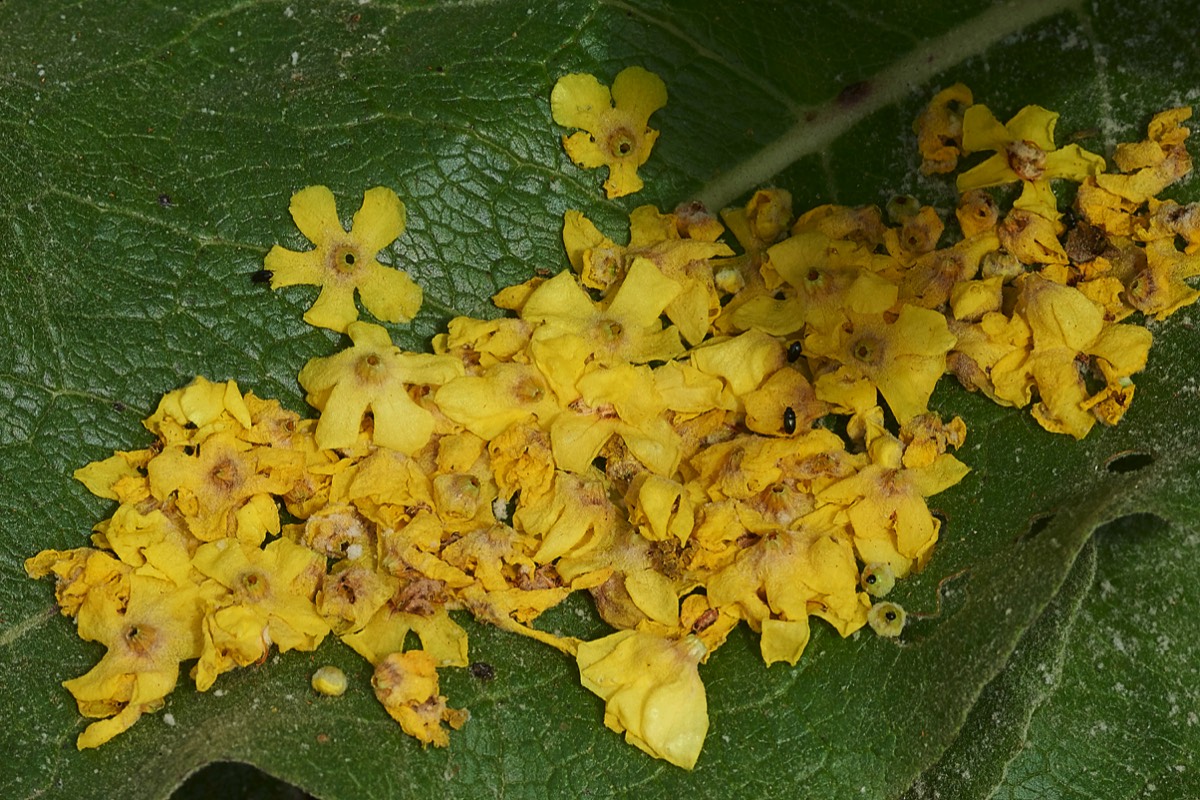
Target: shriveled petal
577 101
379 221
315 213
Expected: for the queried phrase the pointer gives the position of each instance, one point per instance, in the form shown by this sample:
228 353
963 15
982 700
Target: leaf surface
148 157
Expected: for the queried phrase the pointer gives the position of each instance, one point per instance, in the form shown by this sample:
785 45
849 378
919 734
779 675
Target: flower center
254 585
140 639
344 259
224 474
1026 159
866 350
370 368
622 142
611 330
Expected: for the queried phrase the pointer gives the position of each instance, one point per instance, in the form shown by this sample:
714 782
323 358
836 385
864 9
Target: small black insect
262 276
165 201
789 420
793 350
482 670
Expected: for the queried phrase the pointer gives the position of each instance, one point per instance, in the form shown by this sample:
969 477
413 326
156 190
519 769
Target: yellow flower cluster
1037 304
696 438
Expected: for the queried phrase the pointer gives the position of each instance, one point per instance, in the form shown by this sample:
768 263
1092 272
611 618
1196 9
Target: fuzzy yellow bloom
1024 148
1065 326
267 600
372 375
886 507
615 131
904 358
146 640
345 262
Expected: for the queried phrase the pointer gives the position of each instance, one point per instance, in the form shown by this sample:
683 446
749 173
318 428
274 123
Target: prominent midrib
822 125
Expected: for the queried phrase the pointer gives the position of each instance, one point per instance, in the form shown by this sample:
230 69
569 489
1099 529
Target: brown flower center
344 259
867 350
622 142
1026 159
140 639
254 585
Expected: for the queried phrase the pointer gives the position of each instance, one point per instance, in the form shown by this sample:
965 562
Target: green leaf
148 157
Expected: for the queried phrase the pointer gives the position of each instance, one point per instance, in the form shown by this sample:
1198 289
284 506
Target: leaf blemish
1037 524
1129 461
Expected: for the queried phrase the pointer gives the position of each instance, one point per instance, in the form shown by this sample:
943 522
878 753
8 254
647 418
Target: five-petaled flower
1024 149
615 131
344 262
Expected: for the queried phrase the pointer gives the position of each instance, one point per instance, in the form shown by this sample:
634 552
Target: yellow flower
578 515
146 641
345 262
787 575
268 600
1159 289
572 329
351 594
885 503
615 131
1067 326
215 486
441 637
502 395
189 415
78 573
1024 149
373 375
1154 163
652 691
904 358
407 685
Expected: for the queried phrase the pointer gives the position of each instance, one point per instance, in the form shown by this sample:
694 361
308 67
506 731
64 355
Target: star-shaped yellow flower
345 262
371 376
1024 149
615 131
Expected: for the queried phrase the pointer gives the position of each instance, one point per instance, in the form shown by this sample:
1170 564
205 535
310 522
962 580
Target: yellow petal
577 101
315 213
379 221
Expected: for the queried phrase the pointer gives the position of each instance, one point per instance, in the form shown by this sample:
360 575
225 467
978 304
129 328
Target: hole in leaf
1129 461
1037 524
